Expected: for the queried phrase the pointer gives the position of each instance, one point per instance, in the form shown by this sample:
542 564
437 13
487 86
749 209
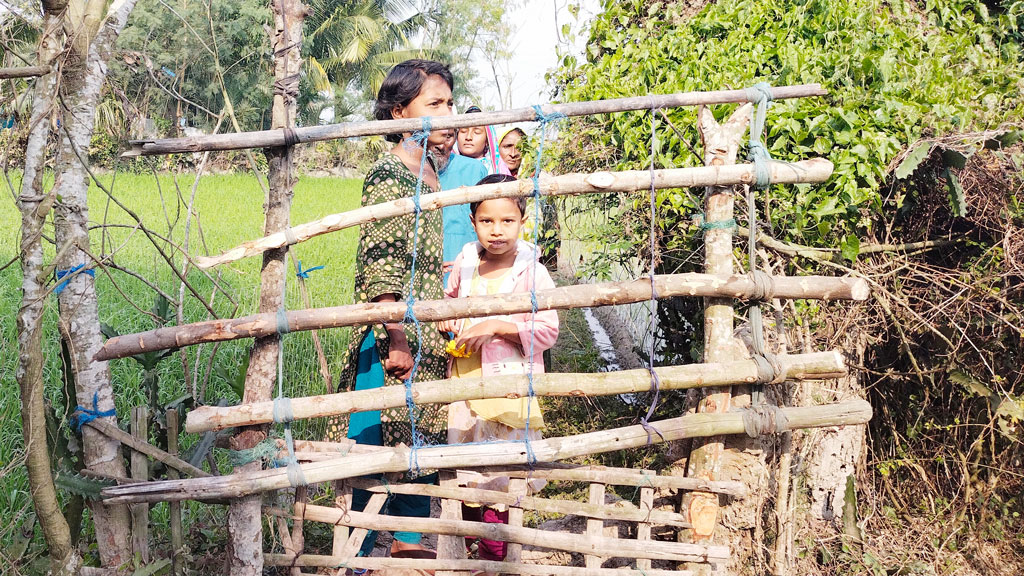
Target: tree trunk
34 206
245 544
83 74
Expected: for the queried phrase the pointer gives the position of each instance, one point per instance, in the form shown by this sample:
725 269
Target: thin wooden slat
358 535
819 365
462 456
643 529
276 138
523 502
450 547
595 527
310 560
676 551
147 448
140 472
177 541
518 490
23 72
342 500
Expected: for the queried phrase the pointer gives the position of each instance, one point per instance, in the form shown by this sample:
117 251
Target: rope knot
82 415
546 118
70 273
764 420
420 136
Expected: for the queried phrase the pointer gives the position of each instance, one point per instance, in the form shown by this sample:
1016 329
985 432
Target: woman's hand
399 361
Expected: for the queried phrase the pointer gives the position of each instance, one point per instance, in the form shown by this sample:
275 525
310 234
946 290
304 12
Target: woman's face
434 99
473 141
509 150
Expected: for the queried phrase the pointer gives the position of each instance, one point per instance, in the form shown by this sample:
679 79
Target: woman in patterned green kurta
383 355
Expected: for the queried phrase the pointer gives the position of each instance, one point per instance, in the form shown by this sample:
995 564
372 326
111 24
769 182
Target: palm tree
351 45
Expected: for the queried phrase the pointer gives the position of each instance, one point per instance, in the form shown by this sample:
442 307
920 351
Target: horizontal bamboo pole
617 477
276 138
820 365
427 564
23 72
603 294
400 459
813 170
612 547
567 507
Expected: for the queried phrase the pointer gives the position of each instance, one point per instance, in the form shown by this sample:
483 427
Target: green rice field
230 211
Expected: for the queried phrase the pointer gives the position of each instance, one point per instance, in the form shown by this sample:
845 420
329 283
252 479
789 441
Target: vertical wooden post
643 529
595 526
450 547
721 145
140 471
177 542
245 543
516 487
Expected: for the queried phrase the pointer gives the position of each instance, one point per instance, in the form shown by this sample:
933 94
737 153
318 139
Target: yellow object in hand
457 351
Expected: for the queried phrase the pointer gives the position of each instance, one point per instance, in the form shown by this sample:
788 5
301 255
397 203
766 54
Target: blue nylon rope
304 274
420 139
653 303
282 413
70 272
544 120
83 415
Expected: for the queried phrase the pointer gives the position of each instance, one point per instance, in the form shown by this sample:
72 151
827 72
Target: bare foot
399 546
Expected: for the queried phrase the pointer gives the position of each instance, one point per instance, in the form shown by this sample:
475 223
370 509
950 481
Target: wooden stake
271 138
343 501
140 472
798 366
527 536
177 542
810 171
298 537
450 547
517 491
310 560
466 456
721 144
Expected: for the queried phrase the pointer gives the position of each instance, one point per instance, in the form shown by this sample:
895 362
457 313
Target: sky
534 48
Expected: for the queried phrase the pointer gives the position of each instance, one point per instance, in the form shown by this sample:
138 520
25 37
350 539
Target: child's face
509 150
497 224
473 141
434 99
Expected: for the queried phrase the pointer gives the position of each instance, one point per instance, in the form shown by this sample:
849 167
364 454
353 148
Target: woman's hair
497 179
403 84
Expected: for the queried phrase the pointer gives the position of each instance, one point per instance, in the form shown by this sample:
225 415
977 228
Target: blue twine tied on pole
83 415
304 274
544 119
420 137
653 303
70 273
760 95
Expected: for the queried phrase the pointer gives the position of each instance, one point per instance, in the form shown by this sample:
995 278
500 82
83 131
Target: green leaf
957 200
954 159
160 566
913 160
850 247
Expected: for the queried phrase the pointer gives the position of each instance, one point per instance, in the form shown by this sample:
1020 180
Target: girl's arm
544 327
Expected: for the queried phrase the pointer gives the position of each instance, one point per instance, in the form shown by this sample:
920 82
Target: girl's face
434 99
509 150
497 223
473 141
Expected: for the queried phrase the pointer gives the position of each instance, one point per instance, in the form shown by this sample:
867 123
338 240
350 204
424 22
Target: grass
230 210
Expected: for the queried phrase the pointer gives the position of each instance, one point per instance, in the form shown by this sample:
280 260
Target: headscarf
491 159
